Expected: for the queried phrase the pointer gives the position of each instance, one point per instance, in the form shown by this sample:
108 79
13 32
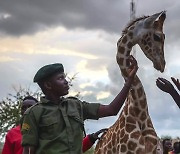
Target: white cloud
102 95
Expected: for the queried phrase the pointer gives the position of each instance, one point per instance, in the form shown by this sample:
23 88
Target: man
13 138
56 124
176 147
167 87
167 146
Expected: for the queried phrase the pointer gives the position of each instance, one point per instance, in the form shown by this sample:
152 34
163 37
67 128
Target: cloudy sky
82 34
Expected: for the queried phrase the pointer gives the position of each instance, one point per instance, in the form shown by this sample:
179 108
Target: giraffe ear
161 20
151 19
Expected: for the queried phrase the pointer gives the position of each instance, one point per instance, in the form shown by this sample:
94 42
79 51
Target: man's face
58 84
26 104
168 145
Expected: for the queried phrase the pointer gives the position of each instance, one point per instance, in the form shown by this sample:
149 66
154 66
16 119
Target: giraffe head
151 39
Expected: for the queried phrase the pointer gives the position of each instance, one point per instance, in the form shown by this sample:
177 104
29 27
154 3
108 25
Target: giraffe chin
159 68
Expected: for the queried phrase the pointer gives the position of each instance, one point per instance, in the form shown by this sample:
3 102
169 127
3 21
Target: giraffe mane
132 22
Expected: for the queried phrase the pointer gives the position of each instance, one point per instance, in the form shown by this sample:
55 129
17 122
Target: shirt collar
45 100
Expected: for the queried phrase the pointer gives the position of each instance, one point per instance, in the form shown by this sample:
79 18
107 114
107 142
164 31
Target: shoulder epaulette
30 108
71 97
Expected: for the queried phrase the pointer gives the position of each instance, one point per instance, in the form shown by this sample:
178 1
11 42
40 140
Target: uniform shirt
12 143
57 129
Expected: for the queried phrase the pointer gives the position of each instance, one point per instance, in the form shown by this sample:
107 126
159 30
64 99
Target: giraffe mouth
159 67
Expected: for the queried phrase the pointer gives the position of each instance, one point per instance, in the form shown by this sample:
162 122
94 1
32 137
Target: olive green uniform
57 129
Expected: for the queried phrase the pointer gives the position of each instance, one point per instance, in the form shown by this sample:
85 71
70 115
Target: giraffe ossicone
133 132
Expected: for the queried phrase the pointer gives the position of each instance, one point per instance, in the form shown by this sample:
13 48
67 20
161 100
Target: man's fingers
132 60
176 82
164 81
159 84
102 130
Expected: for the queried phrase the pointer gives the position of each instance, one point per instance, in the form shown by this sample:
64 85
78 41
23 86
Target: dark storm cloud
30 16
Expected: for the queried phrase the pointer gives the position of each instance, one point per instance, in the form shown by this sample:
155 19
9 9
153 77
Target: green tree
166 137
10 108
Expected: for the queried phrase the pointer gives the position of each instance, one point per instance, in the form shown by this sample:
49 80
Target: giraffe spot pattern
131 145
123 148
124 40
130 127
143 116
122 50
135 135
131 120
129 45
140 92
143 103
140 151
137 111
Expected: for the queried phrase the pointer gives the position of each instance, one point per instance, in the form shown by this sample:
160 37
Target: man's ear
47 85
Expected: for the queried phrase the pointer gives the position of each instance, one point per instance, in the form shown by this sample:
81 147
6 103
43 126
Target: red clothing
87 144
12 143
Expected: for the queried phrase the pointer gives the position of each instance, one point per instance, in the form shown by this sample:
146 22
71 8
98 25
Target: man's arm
114 107
28 150
167 87
90 139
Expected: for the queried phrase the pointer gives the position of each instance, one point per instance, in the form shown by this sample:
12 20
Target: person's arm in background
167 87
8 145
114 107
90 139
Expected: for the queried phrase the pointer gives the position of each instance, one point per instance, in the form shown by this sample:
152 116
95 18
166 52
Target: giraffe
133 132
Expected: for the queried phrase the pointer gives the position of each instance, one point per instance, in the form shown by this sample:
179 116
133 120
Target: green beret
47 71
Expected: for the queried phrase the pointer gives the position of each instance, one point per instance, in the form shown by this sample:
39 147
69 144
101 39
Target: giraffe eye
157 38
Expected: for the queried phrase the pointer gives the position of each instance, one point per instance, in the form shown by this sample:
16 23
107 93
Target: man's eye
61 77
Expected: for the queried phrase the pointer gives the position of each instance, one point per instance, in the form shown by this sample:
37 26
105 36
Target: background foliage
10 108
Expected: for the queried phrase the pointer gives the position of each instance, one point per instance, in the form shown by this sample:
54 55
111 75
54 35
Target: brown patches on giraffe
124 72
129 152
130 127
143 116
131 120
143 103
147 48
136 111
122 133
135 135
130 34
149 145
149 132
140 151
124 39
149 123
121 50
133 94
131 145
126 110
140 92
131 111
124 139
123 148
129 45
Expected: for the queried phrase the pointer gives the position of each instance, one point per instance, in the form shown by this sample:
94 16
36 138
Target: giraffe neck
124 47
